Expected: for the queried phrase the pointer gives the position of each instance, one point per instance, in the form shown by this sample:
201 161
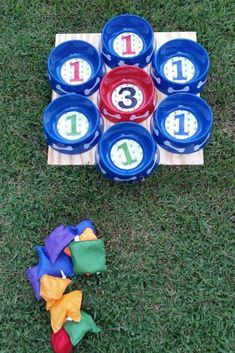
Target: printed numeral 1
128 50
179 76
76 72
181 126
126 151
73 130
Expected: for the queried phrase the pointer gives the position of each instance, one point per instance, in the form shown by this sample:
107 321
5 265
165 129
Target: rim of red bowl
144 106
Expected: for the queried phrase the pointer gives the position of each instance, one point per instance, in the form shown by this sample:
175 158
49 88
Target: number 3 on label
130 97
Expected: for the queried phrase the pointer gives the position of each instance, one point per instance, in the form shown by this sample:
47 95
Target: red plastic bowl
127 93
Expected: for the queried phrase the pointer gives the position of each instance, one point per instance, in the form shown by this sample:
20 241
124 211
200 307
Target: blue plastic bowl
72 124
127 40
127 152
180 65
182 123
75 66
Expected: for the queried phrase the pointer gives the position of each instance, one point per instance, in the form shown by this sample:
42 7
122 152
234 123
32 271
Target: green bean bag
88 256
77 330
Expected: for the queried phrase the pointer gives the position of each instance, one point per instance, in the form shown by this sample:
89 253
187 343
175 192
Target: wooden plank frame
88 158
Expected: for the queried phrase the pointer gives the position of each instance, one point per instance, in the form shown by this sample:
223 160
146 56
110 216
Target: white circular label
179 69
72 125
126 154
181 124
76 71
128 44
127 97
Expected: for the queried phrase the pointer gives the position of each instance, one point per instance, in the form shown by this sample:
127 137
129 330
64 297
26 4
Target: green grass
169 240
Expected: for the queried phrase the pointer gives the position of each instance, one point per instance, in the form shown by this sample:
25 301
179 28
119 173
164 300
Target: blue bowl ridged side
69 50
188 49
195 105
129 23
130 131
66 103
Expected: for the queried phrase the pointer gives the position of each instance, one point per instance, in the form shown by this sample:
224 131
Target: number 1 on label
126 151
73 130
179 73
128 50
76 72
181 131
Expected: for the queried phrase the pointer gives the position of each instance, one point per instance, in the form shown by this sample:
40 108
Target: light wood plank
166 158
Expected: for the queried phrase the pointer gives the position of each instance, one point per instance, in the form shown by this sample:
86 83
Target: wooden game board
166 158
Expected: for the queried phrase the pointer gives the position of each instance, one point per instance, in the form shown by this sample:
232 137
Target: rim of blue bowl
110 166
151 42
191 139
198 78
62 82
59 138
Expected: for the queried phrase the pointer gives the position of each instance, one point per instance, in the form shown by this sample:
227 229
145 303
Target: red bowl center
127 93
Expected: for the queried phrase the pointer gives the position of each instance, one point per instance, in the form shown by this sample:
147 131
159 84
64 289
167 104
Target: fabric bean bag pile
68 251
